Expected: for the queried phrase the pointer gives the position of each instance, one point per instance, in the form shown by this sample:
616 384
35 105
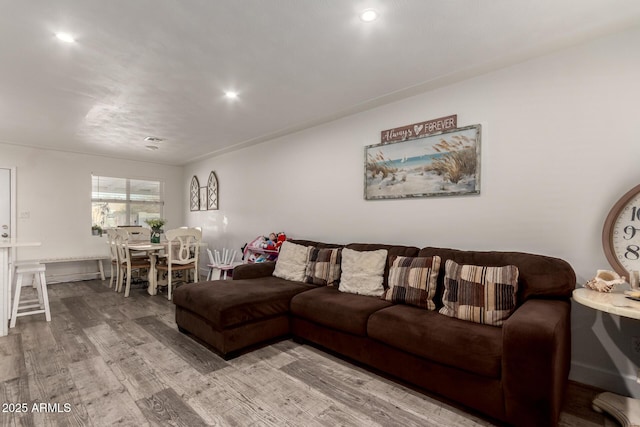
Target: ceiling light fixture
153 139
152 147
230 94
65 37
368 15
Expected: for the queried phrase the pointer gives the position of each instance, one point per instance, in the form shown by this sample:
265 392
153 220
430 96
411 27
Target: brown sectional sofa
515 373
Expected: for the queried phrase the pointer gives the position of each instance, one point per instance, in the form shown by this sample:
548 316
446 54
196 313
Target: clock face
621 234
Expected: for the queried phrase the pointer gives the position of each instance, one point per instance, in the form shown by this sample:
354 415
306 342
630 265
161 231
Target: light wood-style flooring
107 360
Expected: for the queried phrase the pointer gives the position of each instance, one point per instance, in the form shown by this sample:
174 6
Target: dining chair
183 250
138 232
113 253
126 261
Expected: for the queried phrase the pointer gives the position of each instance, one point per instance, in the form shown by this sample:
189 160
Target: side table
221 270
624 409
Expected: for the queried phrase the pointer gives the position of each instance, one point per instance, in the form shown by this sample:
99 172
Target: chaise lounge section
515 373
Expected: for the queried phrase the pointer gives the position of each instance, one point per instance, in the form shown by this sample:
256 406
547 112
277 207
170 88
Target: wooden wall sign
417 130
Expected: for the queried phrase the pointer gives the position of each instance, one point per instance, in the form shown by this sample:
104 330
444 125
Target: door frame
13 216
13 228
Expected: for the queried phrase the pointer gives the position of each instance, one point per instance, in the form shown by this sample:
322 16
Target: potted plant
156 225
96 230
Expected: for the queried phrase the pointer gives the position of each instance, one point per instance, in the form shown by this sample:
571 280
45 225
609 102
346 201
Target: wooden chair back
184 246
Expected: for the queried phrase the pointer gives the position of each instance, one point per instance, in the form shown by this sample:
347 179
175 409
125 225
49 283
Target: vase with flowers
156 225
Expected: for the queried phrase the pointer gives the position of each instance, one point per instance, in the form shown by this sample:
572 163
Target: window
124 201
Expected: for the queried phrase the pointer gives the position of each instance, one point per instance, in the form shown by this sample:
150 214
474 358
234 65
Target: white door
5 203
6 256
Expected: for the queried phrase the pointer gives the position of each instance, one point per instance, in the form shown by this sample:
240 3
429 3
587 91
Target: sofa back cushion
320 245
539 275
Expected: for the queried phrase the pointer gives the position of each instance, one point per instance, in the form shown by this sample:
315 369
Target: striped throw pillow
480 294
323 267
413 281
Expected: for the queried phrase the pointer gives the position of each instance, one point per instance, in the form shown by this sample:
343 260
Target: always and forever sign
420 129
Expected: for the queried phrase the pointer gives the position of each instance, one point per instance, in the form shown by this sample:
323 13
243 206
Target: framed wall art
441 164
203 198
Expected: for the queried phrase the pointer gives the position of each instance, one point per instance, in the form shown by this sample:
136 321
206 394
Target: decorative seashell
604 281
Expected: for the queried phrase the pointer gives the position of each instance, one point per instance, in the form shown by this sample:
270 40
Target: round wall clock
621 233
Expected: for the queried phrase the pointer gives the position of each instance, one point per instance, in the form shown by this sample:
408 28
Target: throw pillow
479 294
323 267
362 272
292 262
413 281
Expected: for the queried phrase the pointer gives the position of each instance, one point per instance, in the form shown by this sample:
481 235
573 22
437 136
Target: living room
557 151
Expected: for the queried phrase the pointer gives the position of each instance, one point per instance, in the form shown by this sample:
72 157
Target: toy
269 243
263 248
280 240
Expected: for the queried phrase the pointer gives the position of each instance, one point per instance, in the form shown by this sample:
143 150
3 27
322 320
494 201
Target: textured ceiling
159 67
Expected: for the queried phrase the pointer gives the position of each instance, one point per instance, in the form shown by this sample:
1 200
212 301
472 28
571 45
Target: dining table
6 246
152 250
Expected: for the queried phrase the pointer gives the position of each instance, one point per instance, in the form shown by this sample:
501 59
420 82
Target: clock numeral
630 232
635 214
633 253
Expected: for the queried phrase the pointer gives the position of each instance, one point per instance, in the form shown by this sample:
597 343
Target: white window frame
127 201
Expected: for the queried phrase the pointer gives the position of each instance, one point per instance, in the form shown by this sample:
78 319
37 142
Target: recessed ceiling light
230 94
153 139
368 15
65 37
152 147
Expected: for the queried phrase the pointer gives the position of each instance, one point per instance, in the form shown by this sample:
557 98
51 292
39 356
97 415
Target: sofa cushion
315 244
468 346
392 252
292 261
329 307
478 293
323 267
413 280
227 303
362 272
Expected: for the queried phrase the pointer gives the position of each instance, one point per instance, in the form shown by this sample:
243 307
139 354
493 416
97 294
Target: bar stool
41 304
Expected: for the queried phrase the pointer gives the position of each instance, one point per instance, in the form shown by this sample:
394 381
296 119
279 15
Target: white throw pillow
362 272
292 262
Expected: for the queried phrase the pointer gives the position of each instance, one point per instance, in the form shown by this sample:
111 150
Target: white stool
41 304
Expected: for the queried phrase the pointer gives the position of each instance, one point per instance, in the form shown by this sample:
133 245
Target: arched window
212 191
194 200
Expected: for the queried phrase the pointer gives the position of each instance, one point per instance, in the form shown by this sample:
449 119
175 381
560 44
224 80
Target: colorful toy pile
263 248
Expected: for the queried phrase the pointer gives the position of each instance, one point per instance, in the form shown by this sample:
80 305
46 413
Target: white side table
5 285
624 409
221 270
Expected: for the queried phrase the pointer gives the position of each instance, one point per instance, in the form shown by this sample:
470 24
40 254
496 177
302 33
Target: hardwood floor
105 360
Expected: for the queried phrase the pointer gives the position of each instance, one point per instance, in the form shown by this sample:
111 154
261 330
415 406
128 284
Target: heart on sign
417 129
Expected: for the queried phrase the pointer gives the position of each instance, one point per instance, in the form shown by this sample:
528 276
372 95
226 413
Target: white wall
54 192
559 147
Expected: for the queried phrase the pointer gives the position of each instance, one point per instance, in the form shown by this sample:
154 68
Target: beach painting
442 164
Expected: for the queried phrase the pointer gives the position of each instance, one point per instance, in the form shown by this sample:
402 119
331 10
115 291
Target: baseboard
72 277
626 385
